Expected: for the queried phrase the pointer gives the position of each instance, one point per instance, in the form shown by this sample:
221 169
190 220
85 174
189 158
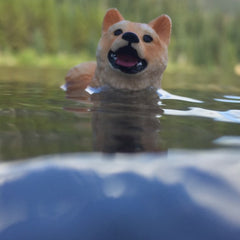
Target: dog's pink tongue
126 60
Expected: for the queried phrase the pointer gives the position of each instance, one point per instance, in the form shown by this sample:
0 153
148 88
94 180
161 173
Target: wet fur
102 73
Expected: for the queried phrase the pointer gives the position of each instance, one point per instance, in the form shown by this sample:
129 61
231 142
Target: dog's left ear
111 17
162 26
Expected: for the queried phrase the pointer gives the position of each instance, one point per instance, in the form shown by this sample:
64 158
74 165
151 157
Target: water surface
38 119
107 164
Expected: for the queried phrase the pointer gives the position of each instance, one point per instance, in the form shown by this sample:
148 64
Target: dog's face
132 55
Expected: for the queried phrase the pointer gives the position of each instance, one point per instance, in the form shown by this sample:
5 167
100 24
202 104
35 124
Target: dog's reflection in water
124 121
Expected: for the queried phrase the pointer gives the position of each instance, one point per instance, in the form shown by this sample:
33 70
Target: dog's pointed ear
162 26
111 17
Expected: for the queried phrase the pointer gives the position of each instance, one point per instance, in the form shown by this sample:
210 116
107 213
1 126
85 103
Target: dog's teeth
139 64
114 56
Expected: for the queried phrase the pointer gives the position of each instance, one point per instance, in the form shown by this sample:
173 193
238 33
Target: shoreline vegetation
64 33
30 58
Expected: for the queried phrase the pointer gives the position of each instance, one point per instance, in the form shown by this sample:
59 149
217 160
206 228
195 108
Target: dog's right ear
111 17
162 25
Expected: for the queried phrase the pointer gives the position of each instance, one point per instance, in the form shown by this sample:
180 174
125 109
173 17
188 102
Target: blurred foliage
203 33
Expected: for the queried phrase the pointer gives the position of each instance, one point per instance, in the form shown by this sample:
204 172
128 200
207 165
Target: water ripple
166 95
231 115
233 141
230 99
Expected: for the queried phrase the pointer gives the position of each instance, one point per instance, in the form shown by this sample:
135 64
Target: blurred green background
65 32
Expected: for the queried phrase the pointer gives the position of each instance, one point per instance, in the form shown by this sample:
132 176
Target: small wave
63 87
92 90
223 116
166 95
230 99
233 141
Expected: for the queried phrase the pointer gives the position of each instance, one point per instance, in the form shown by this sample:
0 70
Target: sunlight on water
92 90
166 95
231 115
64 87
230 99
224 116
233 141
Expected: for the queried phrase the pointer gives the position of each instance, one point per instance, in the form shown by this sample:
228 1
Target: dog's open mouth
127 60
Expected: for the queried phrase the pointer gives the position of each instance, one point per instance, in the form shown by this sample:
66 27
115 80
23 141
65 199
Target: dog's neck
106 75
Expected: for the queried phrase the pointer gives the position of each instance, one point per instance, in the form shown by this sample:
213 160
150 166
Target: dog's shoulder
80 76
80 70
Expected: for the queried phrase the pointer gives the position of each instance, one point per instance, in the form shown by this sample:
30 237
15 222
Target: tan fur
102 72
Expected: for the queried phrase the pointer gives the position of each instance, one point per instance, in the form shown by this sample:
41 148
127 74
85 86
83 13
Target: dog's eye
118 32
147 38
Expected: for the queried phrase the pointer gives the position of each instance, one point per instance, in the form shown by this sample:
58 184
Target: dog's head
132 55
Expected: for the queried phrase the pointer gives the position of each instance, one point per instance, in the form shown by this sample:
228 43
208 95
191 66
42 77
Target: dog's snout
130 37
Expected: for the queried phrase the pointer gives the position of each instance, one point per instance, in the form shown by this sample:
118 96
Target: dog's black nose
130 37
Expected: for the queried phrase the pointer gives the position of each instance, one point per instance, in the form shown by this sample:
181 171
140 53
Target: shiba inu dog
129 55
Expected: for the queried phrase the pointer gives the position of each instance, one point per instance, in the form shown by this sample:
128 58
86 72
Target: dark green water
182 182
36 117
